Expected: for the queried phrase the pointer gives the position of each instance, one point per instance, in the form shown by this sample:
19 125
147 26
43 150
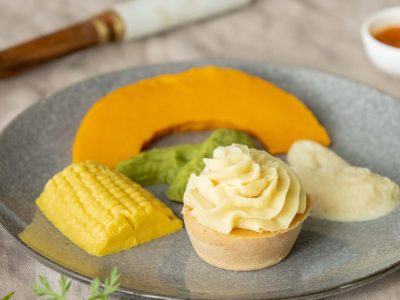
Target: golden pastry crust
242 250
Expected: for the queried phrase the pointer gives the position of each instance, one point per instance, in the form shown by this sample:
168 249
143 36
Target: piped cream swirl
244 188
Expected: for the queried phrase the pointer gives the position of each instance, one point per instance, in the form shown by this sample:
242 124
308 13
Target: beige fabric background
312 33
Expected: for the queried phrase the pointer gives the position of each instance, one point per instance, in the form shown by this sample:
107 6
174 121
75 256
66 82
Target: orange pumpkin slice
121 123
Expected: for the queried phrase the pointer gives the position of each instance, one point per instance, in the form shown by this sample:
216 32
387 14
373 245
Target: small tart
242 249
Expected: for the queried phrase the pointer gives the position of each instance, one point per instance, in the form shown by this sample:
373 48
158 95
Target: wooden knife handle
106 27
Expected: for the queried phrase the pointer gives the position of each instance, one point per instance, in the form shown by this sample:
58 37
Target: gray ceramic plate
328 257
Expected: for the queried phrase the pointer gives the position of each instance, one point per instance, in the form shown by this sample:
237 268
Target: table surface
323 35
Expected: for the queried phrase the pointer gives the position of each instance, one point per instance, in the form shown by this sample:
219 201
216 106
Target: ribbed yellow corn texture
102 211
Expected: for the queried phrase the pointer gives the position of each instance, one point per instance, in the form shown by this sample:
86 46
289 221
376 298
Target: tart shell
242 250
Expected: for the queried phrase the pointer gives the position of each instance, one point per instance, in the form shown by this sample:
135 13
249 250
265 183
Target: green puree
220 137
174 165
158 166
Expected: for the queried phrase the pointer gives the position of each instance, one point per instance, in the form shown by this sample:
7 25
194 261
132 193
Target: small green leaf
65 284
45 282
94 287
111 284
8 296
43 288
38 290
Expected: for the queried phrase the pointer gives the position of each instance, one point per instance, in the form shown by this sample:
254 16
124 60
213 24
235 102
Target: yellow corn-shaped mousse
102 211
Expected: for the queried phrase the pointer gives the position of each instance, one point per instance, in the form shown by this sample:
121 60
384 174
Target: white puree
339 191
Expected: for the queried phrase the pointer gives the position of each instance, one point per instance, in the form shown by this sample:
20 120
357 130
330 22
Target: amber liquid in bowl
389 36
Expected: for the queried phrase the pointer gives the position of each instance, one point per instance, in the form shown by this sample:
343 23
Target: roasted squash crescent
121 123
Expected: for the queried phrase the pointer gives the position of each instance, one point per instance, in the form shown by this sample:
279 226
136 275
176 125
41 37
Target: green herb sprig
42 288
111 284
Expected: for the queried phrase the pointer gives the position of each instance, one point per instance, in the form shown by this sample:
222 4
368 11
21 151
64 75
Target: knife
125 21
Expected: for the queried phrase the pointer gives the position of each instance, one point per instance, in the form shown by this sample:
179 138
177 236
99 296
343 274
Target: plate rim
313 294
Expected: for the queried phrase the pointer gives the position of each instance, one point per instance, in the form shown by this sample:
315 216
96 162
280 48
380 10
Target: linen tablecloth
313 33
